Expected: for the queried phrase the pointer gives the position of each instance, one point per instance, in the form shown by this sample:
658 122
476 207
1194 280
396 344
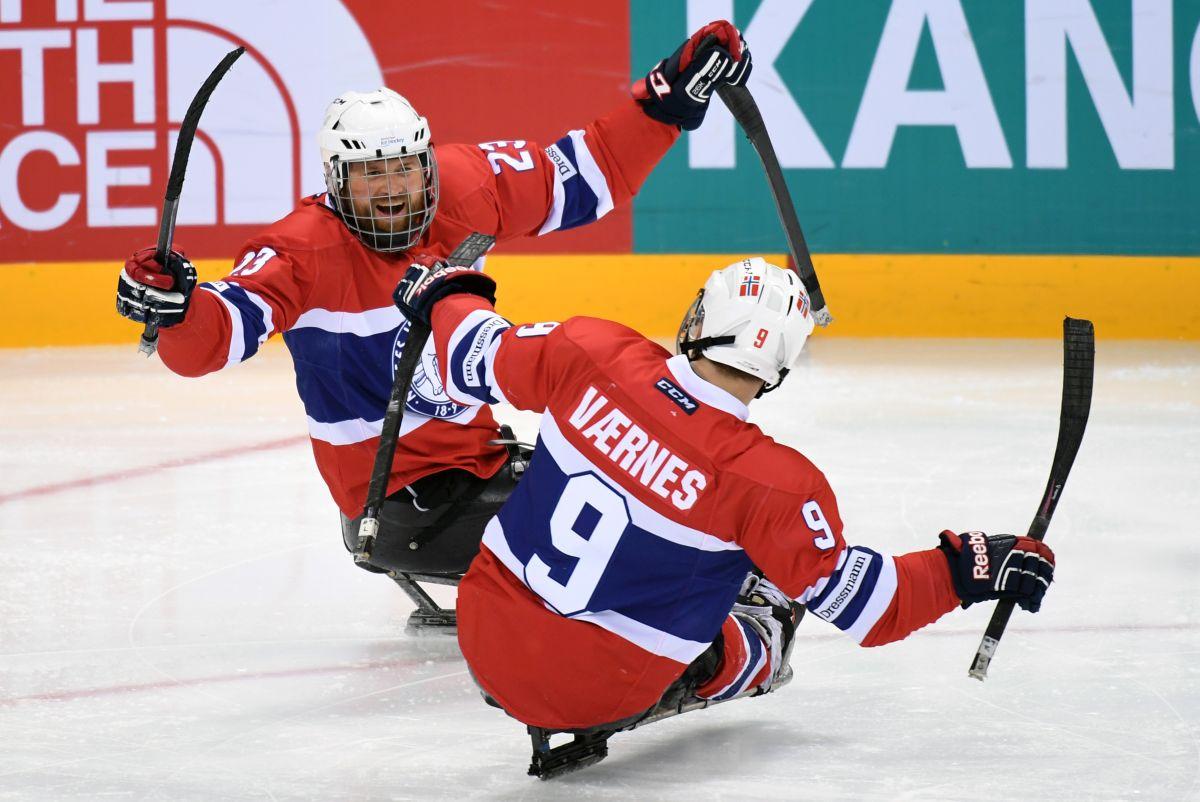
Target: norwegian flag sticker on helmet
751 285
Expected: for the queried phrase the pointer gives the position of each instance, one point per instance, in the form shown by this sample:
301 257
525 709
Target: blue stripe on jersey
471 354
579 201
342 376
753 654
673 588
849 588
254 327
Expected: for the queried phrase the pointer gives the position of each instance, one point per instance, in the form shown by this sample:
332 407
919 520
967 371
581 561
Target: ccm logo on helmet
977 542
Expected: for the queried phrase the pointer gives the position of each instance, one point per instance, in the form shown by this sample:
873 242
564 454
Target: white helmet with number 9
751 316
379 168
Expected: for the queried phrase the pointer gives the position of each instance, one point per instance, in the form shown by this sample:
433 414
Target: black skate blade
427 623
589 748
585 749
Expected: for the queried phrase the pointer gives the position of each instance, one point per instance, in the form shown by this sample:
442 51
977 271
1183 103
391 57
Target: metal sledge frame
429 615
588 747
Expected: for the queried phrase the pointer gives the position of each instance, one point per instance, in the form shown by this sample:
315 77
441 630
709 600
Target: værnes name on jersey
614 434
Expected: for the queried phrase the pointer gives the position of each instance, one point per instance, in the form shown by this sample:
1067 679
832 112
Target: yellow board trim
870 295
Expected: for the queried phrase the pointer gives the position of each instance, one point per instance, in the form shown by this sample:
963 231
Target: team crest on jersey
426 396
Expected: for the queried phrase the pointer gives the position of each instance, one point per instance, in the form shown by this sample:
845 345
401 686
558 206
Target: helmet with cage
379 168
751 316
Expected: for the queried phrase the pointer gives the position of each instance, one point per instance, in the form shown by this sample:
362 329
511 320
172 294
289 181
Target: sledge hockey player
323 277
659 550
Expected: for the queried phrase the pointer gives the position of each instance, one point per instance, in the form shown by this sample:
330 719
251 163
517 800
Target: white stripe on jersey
877 603
571 461
267 315
851 572
237 339
592 174
814 590
493 538
655 641
557 205
881 592
493 326
364 324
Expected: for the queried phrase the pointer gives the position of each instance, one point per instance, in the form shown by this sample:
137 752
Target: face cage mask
693 321
374 229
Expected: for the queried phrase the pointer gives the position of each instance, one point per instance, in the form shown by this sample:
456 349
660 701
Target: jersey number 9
593 549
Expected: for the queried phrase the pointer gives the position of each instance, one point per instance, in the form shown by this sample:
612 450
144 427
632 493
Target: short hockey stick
1079 352
741 104
468 251
183 150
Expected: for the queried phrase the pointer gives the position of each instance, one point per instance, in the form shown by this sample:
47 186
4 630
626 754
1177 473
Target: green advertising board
942 126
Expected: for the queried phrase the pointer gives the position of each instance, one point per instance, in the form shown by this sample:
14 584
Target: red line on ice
130 473
84 693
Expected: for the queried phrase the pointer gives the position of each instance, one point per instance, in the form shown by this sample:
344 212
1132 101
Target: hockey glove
426 284
147 290
986 567
677 91
774 616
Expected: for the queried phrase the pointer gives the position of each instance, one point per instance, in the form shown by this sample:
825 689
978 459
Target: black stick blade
1079 361
744 109
1079 358
191 121
179 163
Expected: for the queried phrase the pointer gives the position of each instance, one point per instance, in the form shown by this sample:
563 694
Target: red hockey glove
677 91
148 290
987 567
426 284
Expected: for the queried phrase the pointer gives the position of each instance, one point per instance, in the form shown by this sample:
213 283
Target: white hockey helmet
383 132
751 316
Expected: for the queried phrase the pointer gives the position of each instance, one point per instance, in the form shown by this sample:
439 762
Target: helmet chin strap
783 372
694 349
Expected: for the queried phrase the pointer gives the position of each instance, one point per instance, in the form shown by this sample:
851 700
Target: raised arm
588 172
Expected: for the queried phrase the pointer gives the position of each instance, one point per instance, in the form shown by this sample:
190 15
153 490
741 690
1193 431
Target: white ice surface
196 631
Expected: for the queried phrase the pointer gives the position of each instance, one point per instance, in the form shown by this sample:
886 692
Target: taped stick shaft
469 250
1079 354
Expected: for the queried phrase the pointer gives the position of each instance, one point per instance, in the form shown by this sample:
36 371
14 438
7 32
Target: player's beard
369 218
387 228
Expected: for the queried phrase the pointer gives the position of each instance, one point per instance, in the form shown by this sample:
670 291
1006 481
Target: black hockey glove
987 567
147 289
426 284
677 91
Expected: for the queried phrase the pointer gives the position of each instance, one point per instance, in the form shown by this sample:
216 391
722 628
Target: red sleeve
484 359
579 178
229 319
924 593
794 534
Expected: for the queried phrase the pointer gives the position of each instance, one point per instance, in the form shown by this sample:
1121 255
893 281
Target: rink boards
887 295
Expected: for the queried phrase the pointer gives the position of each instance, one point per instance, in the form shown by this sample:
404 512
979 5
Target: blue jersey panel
338 376
671 587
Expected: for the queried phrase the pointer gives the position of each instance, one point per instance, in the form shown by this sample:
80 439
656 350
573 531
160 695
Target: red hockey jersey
649 497
310 279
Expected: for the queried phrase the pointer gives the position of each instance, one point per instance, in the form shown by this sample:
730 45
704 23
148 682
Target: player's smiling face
387 195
